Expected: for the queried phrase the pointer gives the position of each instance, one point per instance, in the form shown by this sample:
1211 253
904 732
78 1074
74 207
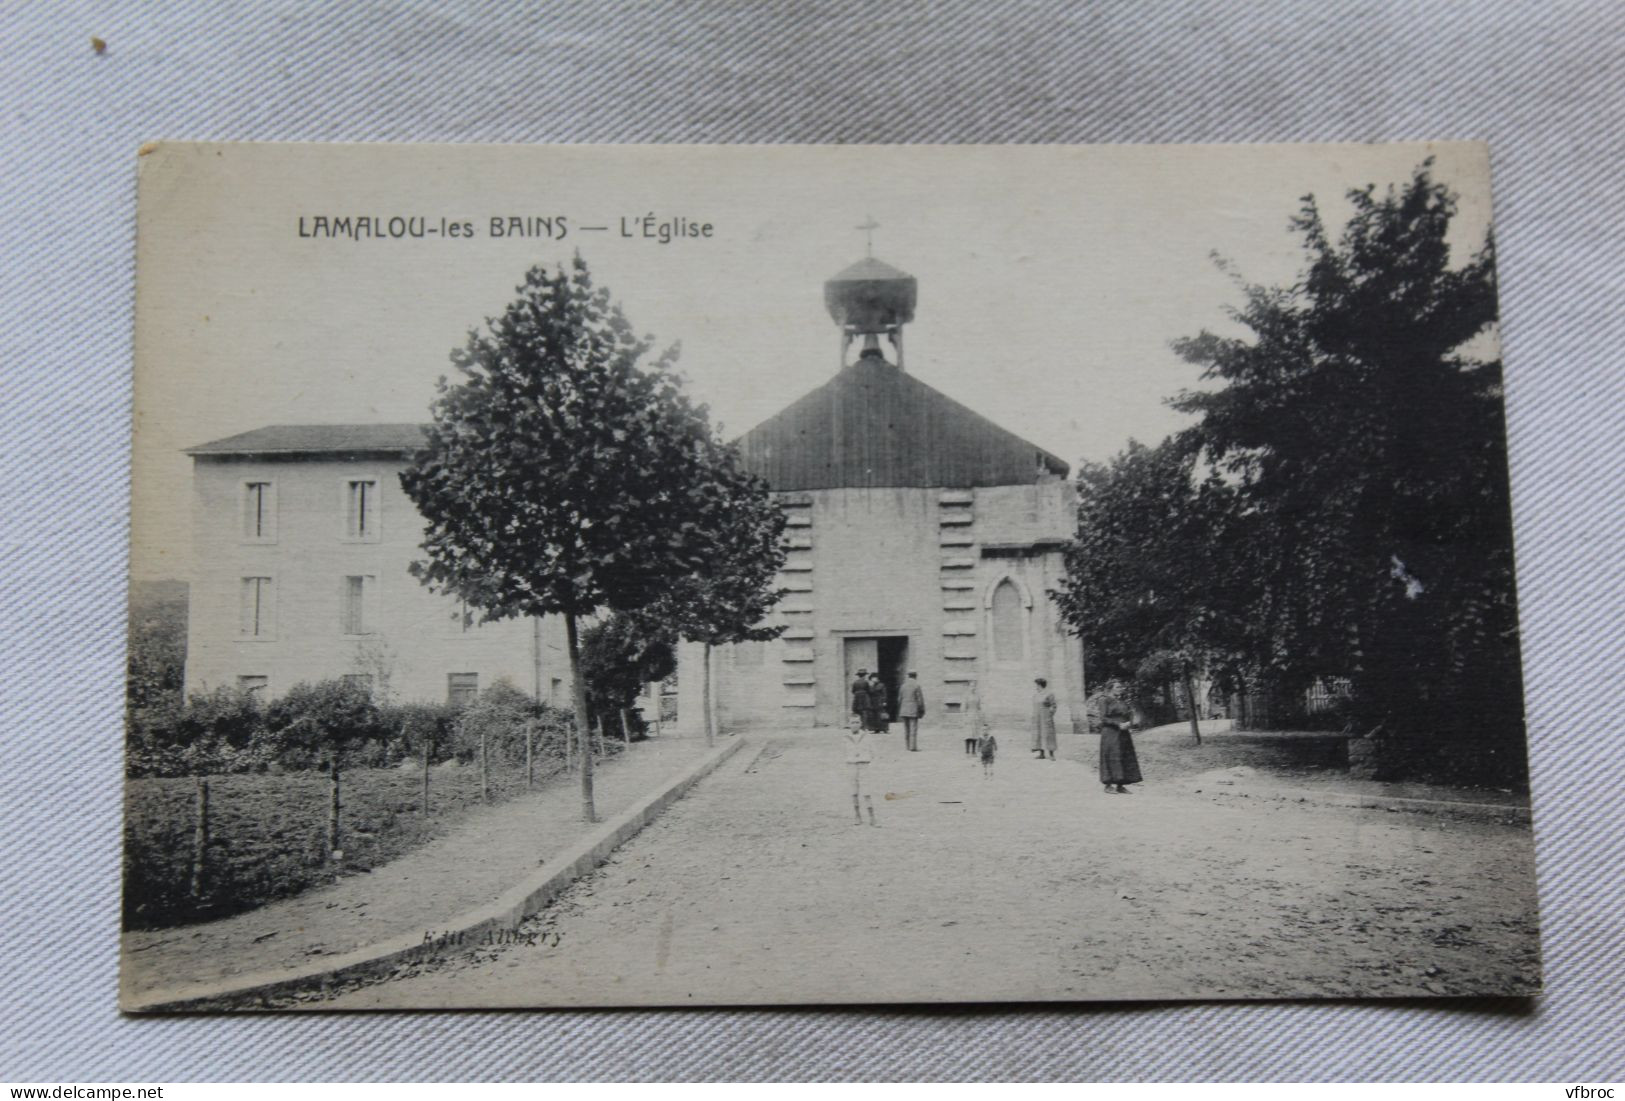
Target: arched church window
1009 623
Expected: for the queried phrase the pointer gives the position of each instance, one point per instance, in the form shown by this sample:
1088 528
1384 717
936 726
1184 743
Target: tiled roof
315 439
873 425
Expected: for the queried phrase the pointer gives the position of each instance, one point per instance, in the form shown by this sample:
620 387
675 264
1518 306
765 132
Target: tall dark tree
568 470
1145 586
1361 424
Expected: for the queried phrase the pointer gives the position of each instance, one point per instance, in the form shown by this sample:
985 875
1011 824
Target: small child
987 747
858 756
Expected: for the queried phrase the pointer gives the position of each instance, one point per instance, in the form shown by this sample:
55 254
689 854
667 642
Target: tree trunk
578 689
530 755
428 744
600 735
200 839
705 699
1190 696
626 729
485 767
333 850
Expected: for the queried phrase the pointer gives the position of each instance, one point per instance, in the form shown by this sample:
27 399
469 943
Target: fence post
600 735
530 757
626 729
200 838
334 852
428 741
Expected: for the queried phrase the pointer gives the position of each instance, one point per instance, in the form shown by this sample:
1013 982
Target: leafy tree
1360 422
1145 586
621 654
567 471
729 601
323 721
155 668
215 731
326 720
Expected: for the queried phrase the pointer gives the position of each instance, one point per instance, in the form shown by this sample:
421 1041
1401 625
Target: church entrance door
887 654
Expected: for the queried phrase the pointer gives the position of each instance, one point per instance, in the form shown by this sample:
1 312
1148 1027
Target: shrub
314 724
500 714
218 731
619 655
414 724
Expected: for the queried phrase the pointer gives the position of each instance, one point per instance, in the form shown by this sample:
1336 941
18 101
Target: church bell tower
871 299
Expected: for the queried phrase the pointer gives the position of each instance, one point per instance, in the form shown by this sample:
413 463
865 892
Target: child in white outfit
858 756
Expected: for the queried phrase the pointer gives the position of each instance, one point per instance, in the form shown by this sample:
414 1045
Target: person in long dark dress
879 716
1119 764
860 697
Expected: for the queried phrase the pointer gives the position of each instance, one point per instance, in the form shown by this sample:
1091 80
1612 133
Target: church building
922 537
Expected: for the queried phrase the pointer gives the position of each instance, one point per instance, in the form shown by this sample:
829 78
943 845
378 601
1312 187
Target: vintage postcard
651 576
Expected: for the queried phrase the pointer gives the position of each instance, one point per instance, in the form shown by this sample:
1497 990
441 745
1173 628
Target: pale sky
1051 279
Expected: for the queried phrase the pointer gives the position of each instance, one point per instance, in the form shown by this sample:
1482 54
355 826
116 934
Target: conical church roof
874 425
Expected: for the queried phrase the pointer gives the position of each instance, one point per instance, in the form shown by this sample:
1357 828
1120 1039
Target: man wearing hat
910 708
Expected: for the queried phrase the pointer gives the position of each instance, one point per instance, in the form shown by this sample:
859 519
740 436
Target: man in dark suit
910 708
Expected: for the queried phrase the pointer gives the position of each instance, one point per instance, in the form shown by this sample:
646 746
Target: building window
356 611
256 685
462 617
462 688
258 608
1009 623
361 509
362 681
259 512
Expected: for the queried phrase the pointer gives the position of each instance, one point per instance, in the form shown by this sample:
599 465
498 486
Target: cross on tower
869 226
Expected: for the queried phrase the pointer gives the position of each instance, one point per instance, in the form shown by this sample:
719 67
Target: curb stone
254 990
1510 811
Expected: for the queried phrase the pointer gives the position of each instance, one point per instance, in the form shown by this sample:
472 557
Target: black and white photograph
601 576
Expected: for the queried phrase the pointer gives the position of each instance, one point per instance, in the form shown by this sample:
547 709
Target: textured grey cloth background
1544 83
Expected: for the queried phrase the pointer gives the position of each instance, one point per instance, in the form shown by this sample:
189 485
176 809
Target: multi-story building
303 538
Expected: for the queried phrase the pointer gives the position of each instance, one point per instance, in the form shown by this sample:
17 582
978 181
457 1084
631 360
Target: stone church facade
921 537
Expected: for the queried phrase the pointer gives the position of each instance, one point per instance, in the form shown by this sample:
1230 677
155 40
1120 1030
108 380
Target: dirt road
757 888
